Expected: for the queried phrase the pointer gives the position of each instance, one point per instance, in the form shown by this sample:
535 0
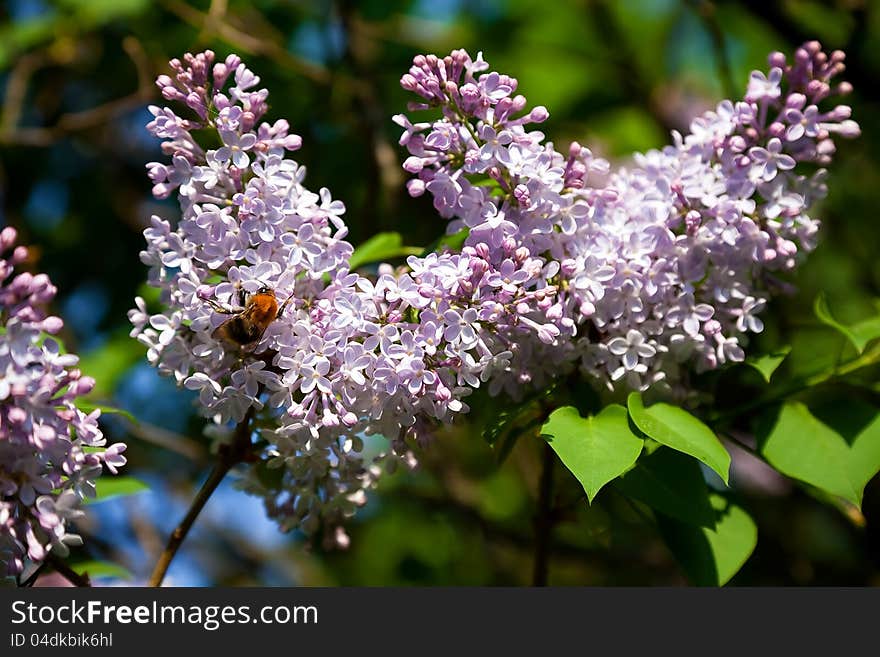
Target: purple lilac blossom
392 355
51 452
653 270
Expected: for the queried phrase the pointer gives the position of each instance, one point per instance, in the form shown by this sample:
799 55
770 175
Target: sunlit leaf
379 248
859 334
88 407
119 486
800 446
864 456
95 568
858 423
710 557
678 429
769 363
452 242
597 448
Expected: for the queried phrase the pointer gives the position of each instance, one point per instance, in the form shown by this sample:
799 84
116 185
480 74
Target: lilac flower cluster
50 451
632 276
658 268
348 355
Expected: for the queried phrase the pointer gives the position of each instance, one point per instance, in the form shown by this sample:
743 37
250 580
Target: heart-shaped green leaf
597 448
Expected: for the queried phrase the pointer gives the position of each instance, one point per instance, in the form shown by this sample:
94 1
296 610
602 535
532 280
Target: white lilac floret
51 452
661 267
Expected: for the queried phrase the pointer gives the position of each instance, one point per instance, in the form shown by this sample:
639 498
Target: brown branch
169 440
216 24
544 520
13 135
16 88
384 175
229 457
29 582
67 572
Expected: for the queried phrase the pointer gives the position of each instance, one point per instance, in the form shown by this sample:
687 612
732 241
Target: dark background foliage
75 79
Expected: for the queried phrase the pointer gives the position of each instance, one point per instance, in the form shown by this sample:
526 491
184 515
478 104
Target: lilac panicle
50 451
660 267
392 354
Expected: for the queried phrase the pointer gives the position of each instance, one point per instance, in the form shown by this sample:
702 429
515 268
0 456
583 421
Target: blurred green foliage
76 77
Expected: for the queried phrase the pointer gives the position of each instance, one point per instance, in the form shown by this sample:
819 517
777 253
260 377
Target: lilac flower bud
7 238
415 187
414 164
776 60
795 101
538 114
776 129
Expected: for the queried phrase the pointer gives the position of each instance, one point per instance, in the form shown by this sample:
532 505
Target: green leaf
672 483
864 456
381 247
678 429
452 242
859 334
512 416
858 423
88 407
94 568
769 363
119 486
800 446
710 557
597 448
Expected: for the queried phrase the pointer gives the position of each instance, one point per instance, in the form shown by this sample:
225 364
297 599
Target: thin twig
229 457
544 519
169 440
866 359
16 88
13 134
220 27
29 582
67 572
384 175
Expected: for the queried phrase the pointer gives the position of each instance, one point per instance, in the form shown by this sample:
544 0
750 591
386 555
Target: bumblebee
248 322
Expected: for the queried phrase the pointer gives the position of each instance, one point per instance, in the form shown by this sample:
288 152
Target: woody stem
228 459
